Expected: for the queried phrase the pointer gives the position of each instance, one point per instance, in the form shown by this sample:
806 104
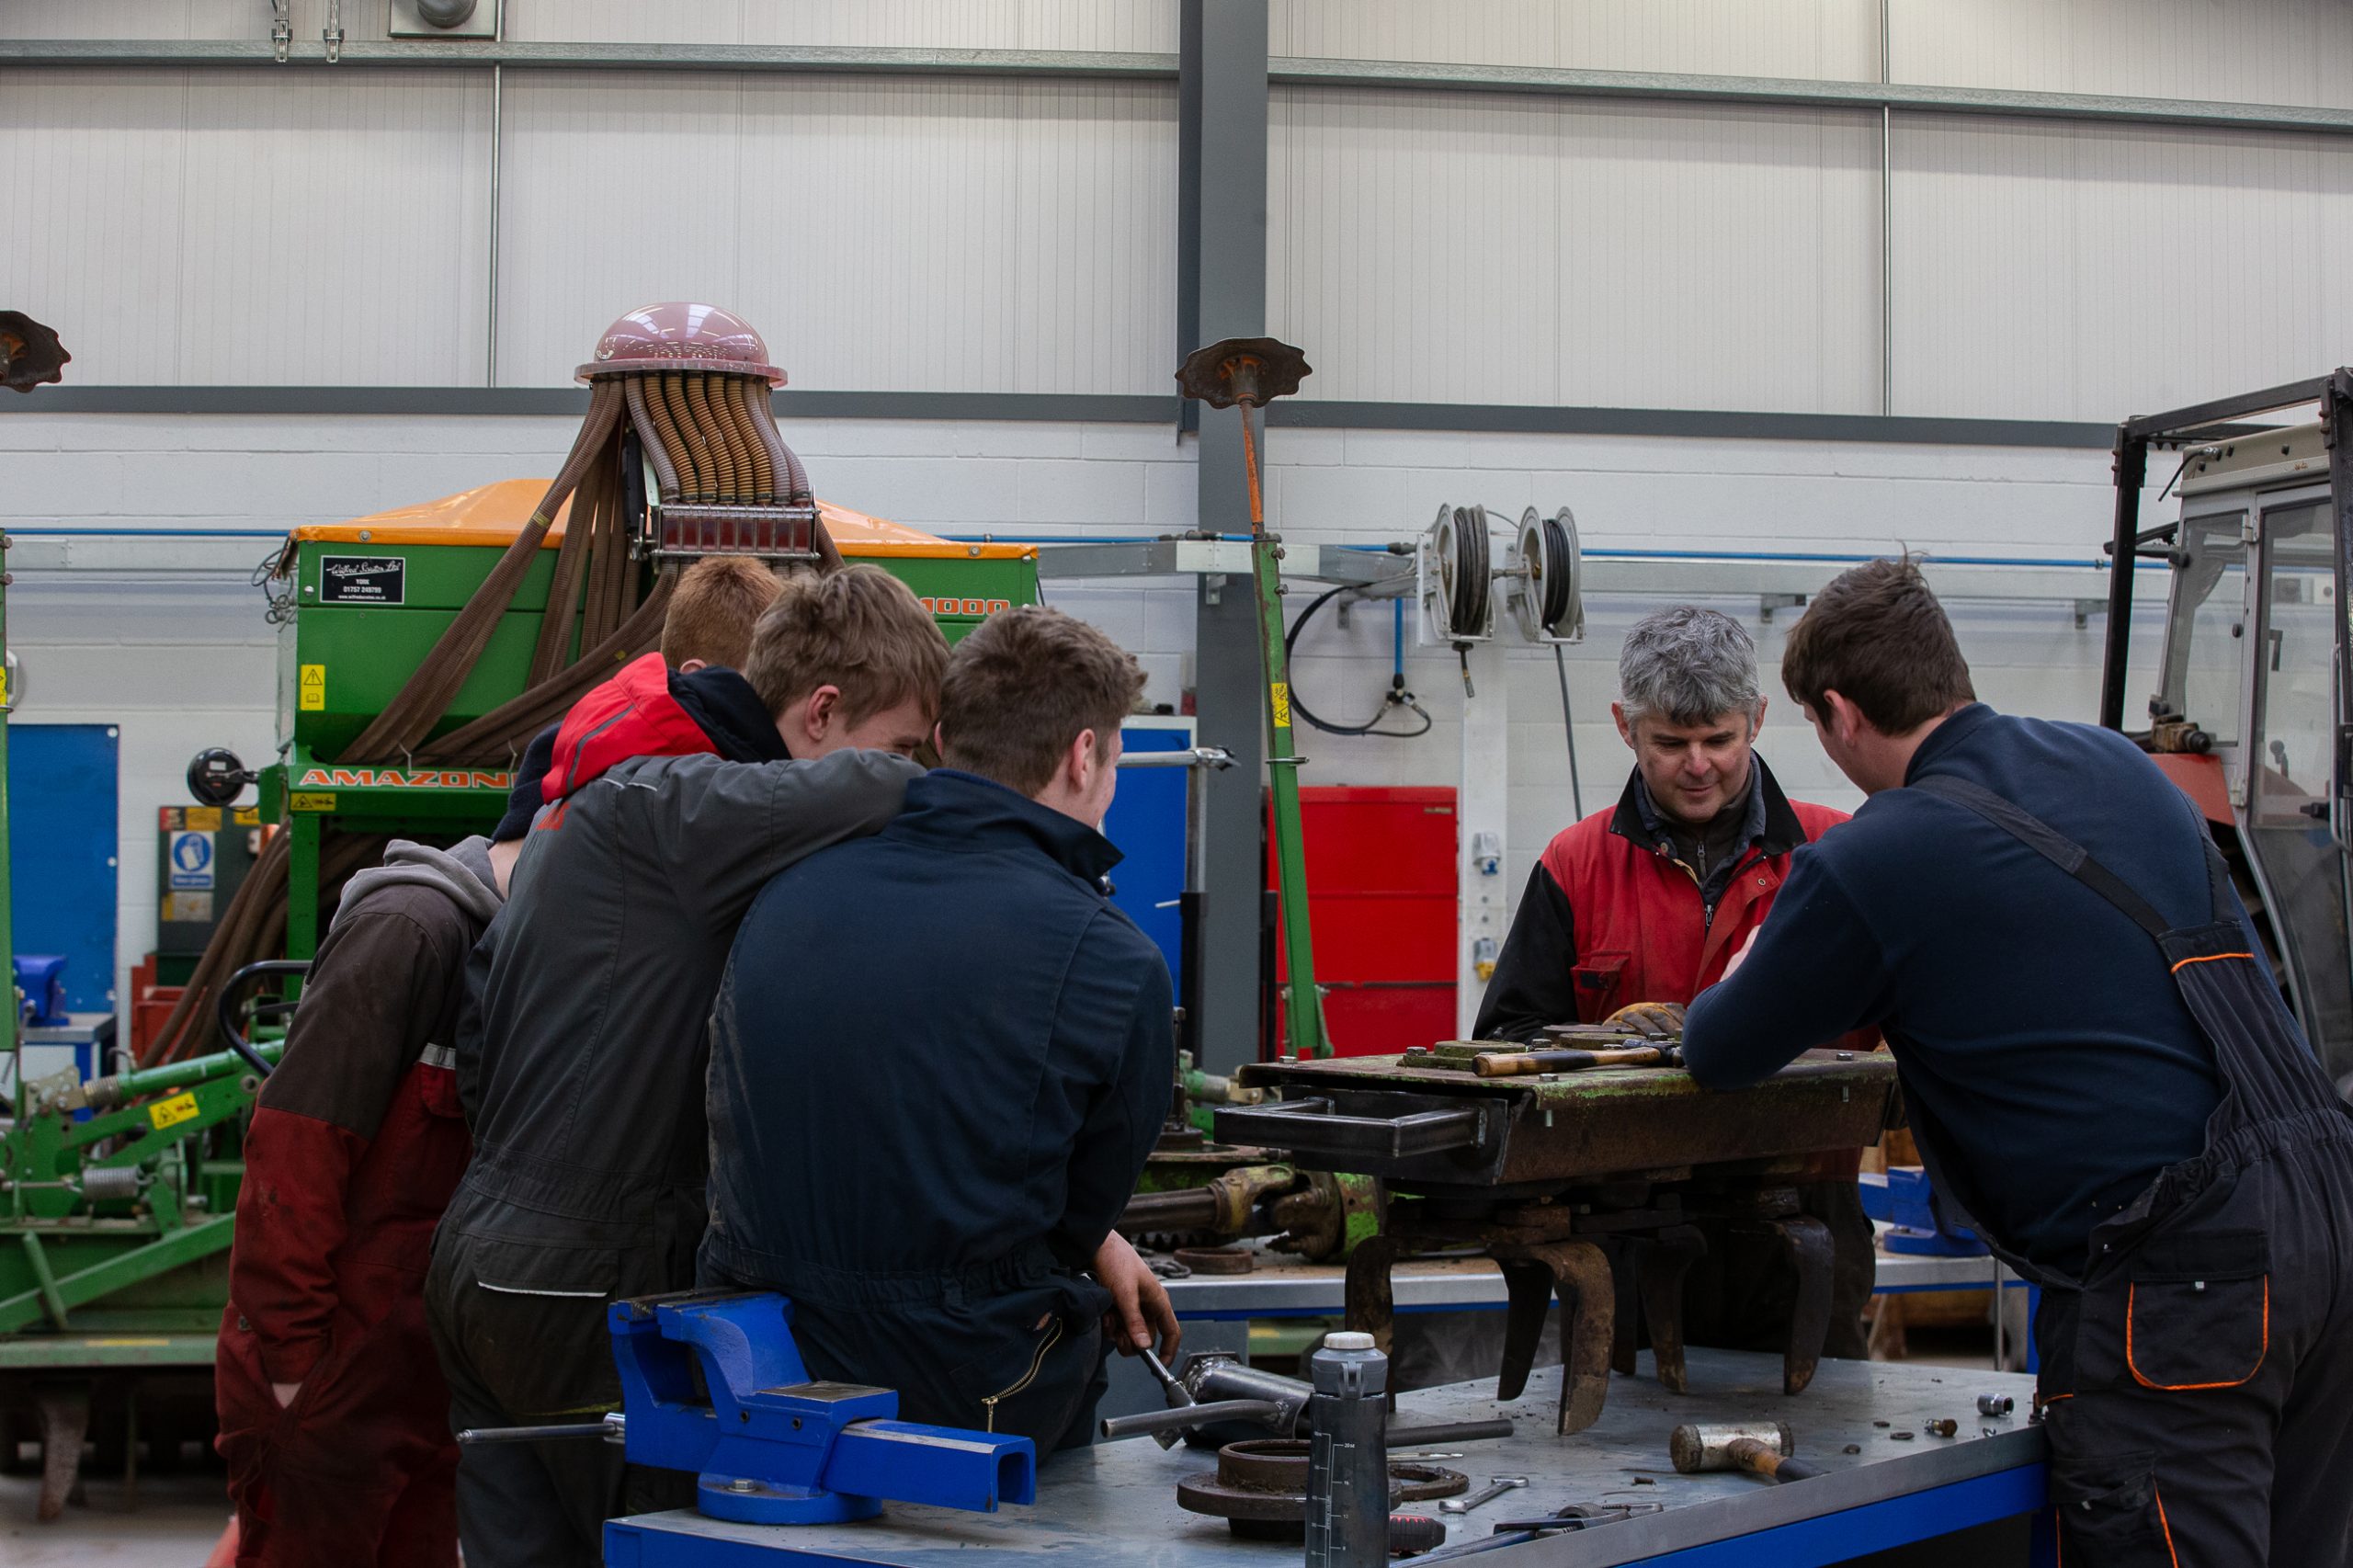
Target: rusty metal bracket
1581 1278
1660 1264
1805 1240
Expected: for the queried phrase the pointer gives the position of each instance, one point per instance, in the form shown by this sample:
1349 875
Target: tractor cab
2248 714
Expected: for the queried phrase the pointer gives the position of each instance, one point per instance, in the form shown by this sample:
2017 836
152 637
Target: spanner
1497 1486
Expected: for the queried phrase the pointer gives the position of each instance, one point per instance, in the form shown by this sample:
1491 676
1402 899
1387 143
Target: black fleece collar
724 707
1773 827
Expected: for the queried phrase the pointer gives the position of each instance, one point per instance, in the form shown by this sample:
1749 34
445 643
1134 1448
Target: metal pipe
490 346
1265 1412
613 1428
1191 756
1886 226
2132 474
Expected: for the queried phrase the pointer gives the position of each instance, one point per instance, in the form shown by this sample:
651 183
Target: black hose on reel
1396 696
1473 579
1556 573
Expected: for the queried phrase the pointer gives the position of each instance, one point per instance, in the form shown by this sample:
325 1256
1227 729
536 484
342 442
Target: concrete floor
177 1521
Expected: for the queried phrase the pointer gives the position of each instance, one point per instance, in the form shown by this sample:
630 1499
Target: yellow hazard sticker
202 819
315 688
173 1111
246 816
312 800
1280 694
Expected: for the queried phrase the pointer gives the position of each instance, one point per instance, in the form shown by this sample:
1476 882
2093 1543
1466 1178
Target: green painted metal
340 664
86 1352
55 1294
1304 1021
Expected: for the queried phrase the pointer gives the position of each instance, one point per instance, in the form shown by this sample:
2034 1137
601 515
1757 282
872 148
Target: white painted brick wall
183 665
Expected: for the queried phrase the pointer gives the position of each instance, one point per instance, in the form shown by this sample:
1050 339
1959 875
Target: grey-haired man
1632 912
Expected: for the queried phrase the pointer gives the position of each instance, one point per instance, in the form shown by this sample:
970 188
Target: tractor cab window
2290 765
2295 670
2203 672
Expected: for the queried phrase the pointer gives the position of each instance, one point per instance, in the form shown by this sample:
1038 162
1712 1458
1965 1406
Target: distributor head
1876 667
1033 700
1689 705
713 612
849 659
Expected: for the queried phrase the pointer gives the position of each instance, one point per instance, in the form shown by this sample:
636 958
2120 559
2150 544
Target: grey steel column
1222 229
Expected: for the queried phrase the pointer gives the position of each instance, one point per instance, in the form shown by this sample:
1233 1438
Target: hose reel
1457 576
1550 604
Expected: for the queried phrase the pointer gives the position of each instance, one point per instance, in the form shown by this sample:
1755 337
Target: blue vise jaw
771 1447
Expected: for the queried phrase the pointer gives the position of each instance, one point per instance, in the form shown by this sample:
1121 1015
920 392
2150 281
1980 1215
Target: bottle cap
1347 1341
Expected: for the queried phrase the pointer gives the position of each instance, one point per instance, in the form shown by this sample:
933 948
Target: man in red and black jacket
334 1419
1632 913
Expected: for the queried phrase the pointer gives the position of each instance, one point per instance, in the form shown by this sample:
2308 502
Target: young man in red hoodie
334 1416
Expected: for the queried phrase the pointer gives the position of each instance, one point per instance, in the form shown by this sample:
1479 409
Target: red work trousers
360 1467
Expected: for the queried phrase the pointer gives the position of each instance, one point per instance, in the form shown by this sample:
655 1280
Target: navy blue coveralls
2196 1332
938 1060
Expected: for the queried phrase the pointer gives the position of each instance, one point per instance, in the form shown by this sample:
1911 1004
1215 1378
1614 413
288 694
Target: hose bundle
710 438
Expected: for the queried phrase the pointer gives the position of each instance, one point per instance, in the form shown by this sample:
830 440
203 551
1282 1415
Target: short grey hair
1688 666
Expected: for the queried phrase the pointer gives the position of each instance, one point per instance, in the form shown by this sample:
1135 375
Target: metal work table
1116 1505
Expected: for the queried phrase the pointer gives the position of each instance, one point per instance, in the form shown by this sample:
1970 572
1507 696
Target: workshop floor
175 1525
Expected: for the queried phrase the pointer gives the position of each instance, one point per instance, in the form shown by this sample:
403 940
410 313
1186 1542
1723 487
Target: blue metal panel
1147 822
63 834
1877 1527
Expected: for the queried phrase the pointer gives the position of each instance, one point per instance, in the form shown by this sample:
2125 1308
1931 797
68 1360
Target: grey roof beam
1287 71
1573 82
446 52
1084 408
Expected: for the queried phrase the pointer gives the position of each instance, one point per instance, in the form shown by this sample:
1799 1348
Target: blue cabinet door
63 835
1147 822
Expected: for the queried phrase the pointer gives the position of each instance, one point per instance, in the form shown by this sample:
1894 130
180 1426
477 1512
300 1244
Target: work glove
1651 1020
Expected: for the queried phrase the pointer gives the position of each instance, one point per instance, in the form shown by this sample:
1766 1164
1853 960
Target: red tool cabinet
1381 886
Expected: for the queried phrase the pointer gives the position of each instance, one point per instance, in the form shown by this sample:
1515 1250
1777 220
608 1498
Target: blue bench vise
772 1446
711 1382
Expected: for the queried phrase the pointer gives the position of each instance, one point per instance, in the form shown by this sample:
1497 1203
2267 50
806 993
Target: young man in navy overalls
2101 1073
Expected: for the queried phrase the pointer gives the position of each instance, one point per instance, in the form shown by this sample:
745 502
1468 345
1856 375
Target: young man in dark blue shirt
2101 1074
940 1057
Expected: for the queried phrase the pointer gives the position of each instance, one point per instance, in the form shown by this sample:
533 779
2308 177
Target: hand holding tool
1179 1396
1497 1486
1763 1449
1518 1063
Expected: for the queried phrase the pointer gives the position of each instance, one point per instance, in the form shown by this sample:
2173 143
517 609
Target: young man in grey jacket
582 1059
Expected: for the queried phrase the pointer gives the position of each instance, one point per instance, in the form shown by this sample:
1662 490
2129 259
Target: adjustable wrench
1497 1486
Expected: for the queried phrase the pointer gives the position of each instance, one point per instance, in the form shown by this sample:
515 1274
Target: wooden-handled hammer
1514 1063
1763 1448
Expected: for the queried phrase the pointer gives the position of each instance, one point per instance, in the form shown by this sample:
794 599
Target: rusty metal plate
1600 1121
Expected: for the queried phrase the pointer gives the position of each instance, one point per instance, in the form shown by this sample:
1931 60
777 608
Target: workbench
1115 1505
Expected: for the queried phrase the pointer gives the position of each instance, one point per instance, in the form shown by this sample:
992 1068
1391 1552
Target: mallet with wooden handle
1763 1449
1517 1063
